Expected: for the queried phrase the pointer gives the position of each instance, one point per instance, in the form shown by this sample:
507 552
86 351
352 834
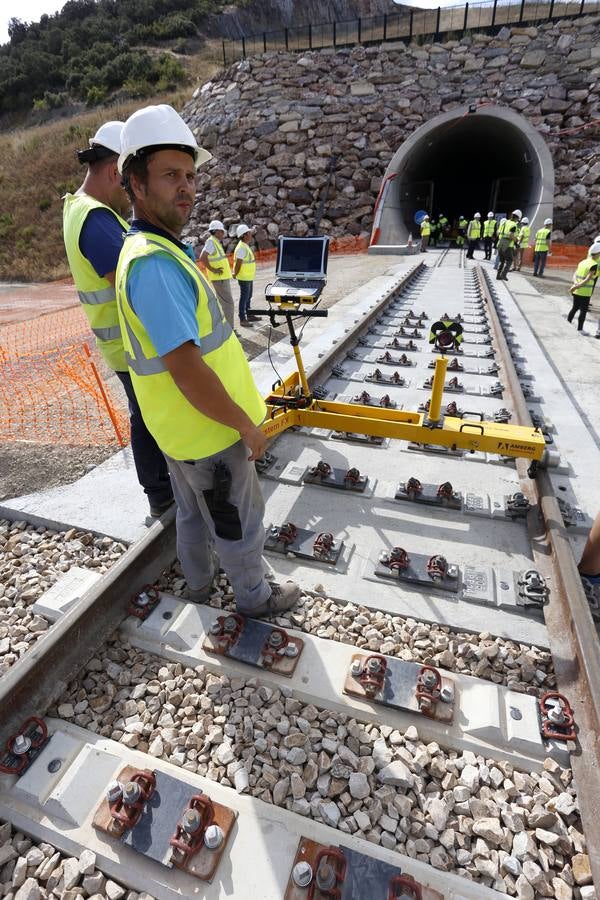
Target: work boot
283 597
202 595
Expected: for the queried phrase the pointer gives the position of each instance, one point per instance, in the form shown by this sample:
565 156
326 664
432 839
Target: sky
33 10
27 11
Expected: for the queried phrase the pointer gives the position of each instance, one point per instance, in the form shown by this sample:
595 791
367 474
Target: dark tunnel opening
462 163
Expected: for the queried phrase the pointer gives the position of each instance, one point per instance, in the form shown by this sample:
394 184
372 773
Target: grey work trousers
235 528
222 289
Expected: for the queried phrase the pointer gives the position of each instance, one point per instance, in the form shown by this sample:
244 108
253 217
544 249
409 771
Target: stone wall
273 122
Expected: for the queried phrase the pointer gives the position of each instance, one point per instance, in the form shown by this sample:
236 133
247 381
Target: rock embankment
279 124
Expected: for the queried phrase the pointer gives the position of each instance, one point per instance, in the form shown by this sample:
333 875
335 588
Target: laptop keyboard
304 283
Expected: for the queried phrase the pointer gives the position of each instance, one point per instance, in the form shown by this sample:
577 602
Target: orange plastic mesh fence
49 389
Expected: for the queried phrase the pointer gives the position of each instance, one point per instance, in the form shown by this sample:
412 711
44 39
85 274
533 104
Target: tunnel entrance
464 162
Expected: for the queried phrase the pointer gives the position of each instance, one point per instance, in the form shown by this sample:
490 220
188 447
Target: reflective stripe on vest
474 230
581 272
218 259
247 269
505 234
541 239
179 428
489 227
96 294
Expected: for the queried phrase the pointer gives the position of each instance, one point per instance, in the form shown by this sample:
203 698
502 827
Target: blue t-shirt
163 296
101 240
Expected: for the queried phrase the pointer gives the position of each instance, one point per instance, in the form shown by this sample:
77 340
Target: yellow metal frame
291 404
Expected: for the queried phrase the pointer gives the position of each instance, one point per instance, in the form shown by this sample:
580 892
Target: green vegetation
94 48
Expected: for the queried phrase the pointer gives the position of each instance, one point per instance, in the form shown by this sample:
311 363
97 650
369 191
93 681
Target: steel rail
39 678
573 637
323 367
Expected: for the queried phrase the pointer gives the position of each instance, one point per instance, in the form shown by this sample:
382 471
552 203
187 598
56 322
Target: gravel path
31 560
517 832
519 666
31 870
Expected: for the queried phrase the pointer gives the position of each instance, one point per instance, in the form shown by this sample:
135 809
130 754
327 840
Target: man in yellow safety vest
473 234
489 230
244 270
214 258
522 243
507 237
93 227
543 237
425 232
584 282
189 371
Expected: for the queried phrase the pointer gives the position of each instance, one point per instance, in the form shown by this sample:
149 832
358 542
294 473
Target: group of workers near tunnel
510 237
166 330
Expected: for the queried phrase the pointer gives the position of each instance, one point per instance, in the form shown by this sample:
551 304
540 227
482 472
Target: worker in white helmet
425 233
244 269
543 238
522 243
473 234
584 282
489 230
214 258
507 238
93 226
189 370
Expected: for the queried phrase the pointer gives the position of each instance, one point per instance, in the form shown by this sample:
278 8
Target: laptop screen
302 257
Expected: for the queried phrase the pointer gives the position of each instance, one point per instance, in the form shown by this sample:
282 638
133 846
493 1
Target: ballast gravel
519 833
31 560
521 667
31 870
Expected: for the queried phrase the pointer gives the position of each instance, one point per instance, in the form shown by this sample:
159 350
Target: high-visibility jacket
462 224
489 227
542 240
218 260
425 228
96 294
180 430
474 230
581 272
442 221
508 230
524 233
247 269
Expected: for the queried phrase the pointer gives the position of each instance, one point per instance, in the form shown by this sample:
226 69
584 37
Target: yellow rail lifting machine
291 403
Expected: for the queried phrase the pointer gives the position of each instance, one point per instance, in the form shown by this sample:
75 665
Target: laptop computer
301 270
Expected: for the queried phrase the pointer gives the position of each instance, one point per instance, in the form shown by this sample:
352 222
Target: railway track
406 712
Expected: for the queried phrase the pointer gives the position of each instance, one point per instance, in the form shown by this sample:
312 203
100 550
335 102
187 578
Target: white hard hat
516 212
490 215
158 126
241 230
425 216
216 225
595 248
597 239
477 216
109 136
525 220
547 221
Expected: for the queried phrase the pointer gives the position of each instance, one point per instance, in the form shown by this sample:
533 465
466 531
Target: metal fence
406 25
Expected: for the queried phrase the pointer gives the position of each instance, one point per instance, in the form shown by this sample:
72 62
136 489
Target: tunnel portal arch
461 162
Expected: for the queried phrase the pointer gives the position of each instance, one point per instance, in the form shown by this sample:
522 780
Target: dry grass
38 166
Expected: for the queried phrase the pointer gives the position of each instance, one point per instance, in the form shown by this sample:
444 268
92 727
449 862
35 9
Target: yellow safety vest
97 295
425 229
180 430
505 234
218 259
474 229
541 239
581 272
247 268
524 233
489 226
